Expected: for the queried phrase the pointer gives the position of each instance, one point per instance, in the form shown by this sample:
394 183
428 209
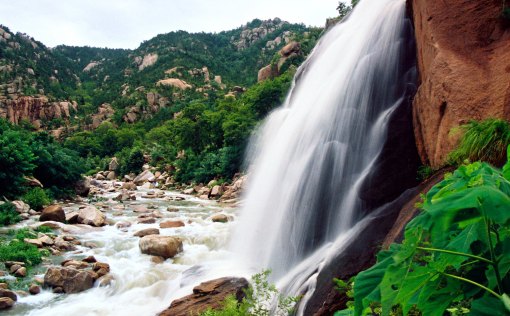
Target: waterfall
312 155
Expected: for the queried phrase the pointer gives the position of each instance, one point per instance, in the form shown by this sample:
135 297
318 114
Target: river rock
72 217
111 175
35 242
171 224
90 215
129 186
219 218
21 207
216 191
6 303
21 272
53 213
69 280
105 280
147 232
82 187
8 293
163 246
188 191
210 294
75 264
34 289
45 239
149 220
144 177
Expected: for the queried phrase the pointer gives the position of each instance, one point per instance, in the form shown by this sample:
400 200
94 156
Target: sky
126 23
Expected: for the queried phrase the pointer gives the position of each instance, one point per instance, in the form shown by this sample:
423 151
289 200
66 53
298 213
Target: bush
8 214
259 301
36 198
482 141
20 251
455 255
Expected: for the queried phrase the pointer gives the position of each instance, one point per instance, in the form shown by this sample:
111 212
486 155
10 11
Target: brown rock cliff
464 64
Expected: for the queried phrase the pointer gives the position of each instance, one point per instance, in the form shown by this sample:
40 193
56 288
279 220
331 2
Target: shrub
36 198
8 214
20 251
455 255
482 141
262 299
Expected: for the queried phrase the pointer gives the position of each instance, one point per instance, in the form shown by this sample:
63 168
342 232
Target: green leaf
488 305
345 312
366 284
506 167
506 301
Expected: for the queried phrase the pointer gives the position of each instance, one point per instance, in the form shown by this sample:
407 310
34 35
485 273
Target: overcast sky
126 23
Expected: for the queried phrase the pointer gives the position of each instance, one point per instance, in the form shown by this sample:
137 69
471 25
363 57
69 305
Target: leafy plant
8 214
36 198
425 172
262 299
20 251
455 255
482 141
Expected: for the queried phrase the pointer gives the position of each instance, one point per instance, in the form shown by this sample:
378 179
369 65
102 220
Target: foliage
343 9
425 172
455 254
8 214
36 198
20 251
259 301
482 141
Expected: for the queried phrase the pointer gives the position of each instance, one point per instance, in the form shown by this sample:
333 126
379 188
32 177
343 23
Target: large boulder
463 63
6 302
82 187
70 280
210 294
90 215
162 246
53 213
113 165
144 177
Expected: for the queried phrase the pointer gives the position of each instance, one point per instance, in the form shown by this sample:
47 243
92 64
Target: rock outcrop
464 69
173 82
210 294
53 213
90 215
287 53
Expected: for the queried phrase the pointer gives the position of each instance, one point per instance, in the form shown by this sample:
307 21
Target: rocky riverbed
125 251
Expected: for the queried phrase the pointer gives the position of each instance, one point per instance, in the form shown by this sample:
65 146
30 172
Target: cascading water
313 154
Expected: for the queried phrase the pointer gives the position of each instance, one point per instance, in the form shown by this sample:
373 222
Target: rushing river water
142 287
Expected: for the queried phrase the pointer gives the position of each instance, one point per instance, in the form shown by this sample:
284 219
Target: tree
344 9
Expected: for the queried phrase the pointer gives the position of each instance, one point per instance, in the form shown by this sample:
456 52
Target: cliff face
464 65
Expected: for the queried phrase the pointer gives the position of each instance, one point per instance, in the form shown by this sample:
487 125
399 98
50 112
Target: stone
89 259
111 175
147 61
45 239
266 72
146 232
14 268
53 213
6 303
21 207
172 209
35 242
113 165
219 218
174 82
100 177
123 225
463 67
143 177
4 286
188 191
129 186
34 289
157 259
171 224
208 295
82 187
90 215
216 191
8 293
105 280
75 264
21 272
163 246
149 220
72 217
70 280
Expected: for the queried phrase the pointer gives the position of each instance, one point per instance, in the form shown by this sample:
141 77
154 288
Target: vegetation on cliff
455 256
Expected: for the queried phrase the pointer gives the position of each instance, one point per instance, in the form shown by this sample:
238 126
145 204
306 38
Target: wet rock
21 272
4 286
149 220
188 191
210 294
141 209
45 239
172 209
105 280
82 187
163 246
69 280
157 259
9 294
216 191
90 259
6 303
53 213
90 215
129 186
171 224
147 232
35 242
144 177
34 289
123 225
61 244
75 264
219 218
21 207
72 217
15 267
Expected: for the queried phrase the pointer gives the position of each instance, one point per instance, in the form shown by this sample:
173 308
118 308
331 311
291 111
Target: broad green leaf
506 167
345 312
434 300
462 243
506 301
488 305
366 284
